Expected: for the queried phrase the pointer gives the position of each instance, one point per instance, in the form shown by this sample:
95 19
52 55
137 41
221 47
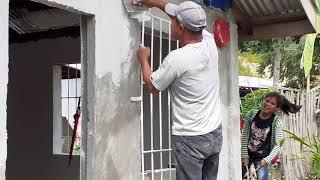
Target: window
157 157
66 99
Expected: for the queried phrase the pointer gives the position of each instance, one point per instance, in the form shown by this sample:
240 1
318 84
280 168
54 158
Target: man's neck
191 39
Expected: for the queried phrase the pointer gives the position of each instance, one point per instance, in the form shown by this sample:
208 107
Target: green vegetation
310 148
253 101
245 71
263 52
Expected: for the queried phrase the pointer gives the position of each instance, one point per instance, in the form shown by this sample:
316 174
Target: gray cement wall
30 110
113 132
114 121
4 12
230 160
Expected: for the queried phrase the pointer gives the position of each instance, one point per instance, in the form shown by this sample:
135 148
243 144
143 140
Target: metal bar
76 104
151 100
156 150
71 97
169 112
159 18
160 102
68 103
141 105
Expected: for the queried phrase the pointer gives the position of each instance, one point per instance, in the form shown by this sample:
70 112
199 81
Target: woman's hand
245 161
262 163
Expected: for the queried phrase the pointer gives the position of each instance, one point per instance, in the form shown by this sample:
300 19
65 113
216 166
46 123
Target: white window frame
57 112
163 172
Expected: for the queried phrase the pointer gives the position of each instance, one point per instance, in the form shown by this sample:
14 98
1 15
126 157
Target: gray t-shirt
191 73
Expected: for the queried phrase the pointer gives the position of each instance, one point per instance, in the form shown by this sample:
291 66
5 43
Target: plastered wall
114 124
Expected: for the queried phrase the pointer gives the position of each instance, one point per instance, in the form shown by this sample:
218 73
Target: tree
290 72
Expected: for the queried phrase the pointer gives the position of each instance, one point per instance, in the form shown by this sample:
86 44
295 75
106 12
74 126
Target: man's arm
143 56
161 4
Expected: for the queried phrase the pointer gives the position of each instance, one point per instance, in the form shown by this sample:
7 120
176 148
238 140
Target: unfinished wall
4 11
114 123
30 108
230 157
117 119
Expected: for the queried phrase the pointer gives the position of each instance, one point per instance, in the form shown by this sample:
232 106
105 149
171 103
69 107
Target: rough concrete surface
115 129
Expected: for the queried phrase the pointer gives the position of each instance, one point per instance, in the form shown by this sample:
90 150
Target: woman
263 132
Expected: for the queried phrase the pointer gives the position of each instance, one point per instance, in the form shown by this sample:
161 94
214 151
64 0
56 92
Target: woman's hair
284 104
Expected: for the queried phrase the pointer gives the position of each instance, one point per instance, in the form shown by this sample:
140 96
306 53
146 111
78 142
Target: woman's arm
245 133
278 136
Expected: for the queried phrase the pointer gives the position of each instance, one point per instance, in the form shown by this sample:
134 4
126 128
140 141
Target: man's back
195 89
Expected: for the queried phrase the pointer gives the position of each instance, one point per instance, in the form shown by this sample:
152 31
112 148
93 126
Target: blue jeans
262 172
197 157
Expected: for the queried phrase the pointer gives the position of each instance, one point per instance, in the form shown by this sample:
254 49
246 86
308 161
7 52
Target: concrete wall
4 12
114 121
230 158
30 110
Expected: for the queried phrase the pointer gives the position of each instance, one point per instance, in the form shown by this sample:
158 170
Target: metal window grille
66 96
70 96
155 111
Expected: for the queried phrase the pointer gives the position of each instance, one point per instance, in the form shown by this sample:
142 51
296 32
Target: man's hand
151 3
143 54
245 161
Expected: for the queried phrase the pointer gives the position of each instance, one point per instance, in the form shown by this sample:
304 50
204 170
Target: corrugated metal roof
264 11
23 21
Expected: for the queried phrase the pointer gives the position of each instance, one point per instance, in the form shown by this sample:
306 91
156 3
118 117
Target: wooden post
308 83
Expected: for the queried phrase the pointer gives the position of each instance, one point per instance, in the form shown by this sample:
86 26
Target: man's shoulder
180 54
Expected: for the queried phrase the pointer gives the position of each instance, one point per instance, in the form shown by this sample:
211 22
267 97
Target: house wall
30 110
4 11
114 124
114 121
230 157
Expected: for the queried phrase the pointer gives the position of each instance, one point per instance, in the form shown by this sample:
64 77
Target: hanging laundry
220 4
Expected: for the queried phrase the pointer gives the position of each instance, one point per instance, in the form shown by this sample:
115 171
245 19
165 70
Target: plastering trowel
134 6
137 10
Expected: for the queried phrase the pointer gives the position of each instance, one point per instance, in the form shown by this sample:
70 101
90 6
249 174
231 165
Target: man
191 73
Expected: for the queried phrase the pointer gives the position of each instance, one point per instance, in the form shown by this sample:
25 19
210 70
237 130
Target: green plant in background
253 101
254 58
77 150
310 151
245 71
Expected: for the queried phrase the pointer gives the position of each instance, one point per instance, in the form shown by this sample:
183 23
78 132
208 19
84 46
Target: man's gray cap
188 13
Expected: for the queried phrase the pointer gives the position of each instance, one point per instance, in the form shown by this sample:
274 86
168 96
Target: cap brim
171 9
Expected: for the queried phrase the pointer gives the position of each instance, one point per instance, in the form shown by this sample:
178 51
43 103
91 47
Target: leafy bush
310 148
245 71
253 101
